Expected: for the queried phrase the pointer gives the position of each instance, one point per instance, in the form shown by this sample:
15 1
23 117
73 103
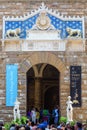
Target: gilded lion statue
73 32
13 33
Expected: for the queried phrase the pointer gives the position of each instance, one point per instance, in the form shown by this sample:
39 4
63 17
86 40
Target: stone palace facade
43 56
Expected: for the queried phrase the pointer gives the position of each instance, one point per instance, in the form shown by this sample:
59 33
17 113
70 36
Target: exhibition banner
75 85
11 84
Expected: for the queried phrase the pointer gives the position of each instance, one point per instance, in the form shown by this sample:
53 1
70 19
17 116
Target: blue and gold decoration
70 27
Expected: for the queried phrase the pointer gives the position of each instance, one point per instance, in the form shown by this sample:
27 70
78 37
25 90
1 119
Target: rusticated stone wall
65 59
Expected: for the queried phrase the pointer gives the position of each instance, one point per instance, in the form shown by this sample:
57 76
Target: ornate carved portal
43 29
42 86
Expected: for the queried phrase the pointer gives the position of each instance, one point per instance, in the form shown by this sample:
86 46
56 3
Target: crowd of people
38 116
45 126
44 120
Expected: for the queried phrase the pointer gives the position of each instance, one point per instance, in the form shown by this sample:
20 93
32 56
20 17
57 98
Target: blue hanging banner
11 84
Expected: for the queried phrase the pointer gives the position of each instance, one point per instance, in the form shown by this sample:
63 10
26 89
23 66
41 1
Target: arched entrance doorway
43 86
30 64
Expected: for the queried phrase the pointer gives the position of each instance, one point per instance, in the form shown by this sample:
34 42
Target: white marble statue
73 32
13 33
69 110
16 110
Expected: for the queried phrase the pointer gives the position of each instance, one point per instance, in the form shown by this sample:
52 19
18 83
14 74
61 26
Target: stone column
37 92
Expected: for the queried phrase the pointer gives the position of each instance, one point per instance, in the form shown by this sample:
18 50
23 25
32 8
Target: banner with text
75 85
11 84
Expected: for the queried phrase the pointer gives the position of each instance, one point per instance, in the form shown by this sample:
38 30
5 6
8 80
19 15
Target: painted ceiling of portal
72 27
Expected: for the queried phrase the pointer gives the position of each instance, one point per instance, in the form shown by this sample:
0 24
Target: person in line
33 115
56 115
78 126
37 116
27 126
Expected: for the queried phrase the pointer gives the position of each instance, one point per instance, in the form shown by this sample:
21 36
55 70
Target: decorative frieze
43 19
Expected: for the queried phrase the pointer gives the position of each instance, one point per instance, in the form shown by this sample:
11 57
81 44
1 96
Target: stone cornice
44 45
59 1
43 7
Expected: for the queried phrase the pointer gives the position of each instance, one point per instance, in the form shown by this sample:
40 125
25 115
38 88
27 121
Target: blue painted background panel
11 84
58 23
23 25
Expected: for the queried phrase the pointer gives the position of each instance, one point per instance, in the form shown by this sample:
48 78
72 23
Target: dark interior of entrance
42 86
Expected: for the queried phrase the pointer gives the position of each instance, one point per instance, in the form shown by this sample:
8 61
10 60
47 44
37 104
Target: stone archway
46 58
43 57
43 88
